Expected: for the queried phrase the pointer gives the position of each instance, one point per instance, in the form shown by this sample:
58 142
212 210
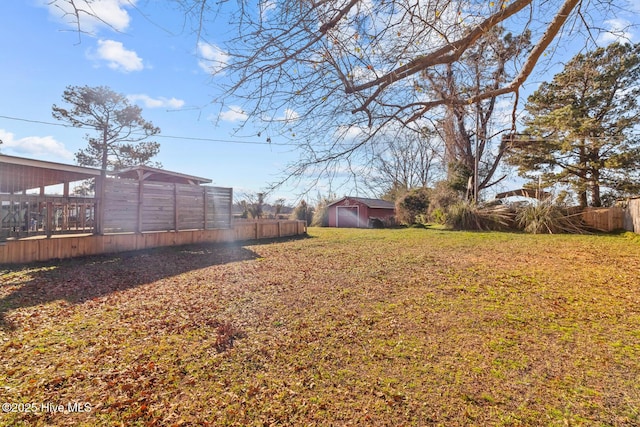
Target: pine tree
121 129
580 126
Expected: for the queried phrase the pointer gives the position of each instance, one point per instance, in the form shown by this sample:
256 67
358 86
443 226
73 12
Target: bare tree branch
341 71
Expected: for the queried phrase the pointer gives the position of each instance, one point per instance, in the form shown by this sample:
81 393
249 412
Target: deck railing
24 215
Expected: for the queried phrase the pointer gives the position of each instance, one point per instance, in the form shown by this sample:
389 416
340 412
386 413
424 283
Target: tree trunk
582 197
596 201
105 150
582 176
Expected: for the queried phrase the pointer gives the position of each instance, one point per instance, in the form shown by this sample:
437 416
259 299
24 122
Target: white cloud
213 60
160 102
289 116
44 147
112 13
362 74
233 114
265 7
350 132
618 31
118 58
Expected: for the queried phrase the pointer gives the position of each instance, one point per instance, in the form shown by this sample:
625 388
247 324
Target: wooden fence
604 219
632 215
614 218
141 206
69 246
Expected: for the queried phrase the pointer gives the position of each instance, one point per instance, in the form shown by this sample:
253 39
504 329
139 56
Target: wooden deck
40 248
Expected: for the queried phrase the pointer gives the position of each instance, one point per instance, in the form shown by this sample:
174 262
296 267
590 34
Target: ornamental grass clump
466 215
547 217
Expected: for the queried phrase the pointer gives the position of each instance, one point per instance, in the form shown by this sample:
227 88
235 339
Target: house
359 212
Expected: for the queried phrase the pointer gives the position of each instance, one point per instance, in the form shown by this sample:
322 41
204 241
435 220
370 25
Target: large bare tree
333 74
472 133
336 75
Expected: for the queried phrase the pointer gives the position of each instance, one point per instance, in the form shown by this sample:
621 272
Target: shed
359 212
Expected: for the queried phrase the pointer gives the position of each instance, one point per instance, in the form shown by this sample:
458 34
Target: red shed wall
381 213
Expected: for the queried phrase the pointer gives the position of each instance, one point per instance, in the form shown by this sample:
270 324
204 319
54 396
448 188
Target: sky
151 56
151 59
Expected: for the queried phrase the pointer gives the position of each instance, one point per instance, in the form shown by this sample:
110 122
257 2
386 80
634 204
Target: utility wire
35 121
189 138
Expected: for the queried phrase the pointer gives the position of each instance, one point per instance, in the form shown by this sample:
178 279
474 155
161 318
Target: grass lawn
406 327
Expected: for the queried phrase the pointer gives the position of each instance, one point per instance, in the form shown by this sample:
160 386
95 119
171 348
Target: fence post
49 219
230 223
175 207
204 209
101 183
140 205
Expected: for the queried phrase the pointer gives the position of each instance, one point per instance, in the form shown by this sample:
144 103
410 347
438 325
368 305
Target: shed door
347 216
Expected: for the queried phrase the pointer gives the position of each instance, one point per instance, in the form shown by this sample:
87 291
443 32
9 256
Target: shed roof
18 174
525 192
147 173
371 203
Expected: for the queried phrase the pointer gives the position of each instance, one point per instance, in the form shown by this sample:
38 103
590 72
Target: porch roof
18 174
146 173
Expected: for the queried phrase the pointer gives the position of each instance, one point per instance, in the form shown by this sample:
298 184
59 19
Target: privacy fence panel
121 205
218 207
133 206
632 216
604 219
190 212
158 206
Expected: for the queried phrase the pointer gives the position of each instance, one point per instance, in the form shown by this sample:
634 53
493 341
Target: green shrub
376 223
303 212
439 216
441 197
412 207
459 175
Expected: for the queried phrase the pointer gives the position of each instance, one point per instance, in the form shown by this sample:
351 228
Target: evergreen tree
580 126
121 129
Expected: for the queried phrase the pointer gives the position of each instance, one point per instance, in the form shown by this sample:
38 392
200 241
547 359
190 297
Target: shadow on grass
81 279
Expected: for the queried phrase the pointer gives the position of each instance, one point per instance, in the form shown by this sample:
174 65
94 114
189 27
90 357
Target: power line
36 121
189 138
